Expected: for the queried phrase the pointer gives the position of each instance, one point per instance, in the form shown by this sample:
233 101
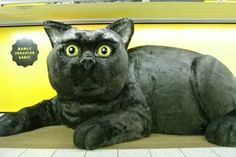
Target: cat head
88 63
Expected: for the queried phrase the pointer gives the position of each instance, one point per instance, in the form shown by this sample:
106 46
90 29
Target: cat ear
125 28
55 30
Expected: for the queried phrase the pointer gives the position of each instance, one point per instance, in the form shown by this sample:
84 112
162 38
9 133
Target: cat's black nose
88 63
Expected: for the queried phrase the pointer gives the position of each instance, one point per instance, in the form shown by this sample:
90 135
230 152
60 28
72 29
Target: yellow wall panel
24 86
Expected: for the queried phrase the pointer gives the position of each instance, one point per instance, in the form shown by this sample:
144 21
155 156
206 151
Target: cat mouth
91 91
89 88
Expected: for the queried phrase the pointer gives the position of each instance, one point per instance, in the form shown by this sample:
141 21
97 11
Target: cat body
188 101
109 94
172 71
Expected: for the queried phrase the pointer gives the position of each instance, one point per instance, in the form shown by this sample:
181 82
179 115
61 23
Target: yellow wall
20 87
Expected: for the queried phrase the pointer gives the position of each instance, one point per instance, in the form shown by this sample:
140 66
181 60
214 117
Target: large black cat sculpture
109 94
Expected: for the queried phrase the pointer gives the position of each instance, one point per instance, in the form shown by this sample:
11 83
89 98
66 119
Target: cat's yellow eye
104 51
72 50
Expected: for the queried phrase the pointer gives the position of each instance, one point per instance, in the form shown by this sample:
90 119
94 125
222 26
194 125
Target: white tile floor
177 152
181 152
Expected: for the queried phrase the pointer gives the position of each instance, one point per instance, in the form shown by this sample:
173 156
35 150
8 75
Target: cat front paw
222 131
91 134
8 125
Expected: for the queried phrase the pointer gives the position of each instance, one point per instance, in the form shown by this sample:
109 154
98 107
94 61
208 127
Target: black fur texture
109 94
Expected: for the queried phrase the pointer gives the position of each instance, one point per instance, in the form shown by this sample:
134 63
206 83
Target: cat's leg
29 118
133 121
215 86
222 131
